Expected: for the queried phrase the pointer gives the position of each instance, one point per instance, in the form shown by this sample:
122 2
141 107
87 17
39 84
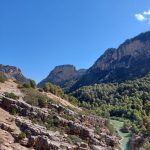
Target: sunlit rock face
63 75
129 61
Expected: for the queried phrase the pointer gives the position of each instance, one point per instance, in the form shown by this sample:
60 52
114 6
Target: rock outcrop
136 142
64 76
39 136
12 72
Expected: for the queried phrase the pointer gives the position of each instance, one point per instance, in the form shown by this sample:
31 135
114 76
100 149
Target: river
125 136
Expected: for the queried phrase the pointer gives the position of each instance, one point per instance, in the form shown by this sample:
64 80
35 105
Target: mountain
12 72
129 61
64 76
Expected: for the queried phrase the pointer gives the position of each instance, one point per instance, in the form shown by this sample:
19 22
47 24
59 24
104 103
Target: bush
11 95
35 98
126 127
2 78
42 101
13 111
147 146
52 123
73 139
26 85
110 127
33 84
68 117
21 136
49 87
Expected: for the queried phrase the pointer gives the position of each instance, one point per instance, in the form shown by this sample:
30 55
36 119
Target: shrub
26 85
147 146
2 78
33 84
21 136
68 117
73 139
35 98
42 101
126 127
11 95
13 111
110 127
49 87
52 123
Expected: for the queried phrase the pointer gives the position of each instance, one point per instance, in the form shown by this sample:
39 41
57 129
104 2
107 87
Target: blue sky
36 35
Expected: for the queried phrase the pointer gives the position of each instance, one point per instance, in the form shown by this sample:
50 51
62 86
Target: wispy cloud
144 16
140 17
146 12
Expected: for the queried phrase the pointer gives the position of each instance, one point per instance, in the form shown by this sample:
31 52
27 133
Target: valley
104 107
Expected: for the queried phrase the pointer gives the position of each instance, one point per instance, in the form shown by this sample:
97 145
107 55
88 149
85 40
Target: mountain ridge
129 61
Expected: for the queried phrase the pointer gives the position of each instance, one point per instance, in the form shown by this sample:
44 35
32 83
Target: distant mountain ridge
12 72
64 76
129 61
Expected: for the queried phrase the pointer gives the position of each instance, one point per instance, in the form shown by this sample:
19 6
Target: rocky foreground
31 127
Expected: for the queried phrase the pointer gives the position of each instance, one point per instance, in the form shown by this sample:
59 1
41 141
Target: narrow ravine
125 136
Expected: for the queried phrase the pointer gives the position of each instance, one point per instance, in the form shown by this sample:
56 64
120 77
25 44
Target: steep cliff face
12 72
64 76
130 60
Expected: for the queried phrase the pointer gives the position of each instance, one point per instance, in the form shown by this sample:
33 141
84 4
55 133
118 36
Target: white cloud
140 17
146 12
143 17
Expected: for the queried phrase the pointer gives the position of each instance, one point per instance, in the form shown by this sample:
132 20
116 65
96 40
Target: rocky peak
12 72
134 48
63 74
130 60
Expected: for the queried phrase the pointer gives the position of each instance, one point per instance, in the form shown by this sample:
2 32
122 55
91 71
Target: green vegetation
68 117
146 146
52 123
11 95
49 87
13 111
129 100
30 84
35 98
110 127
33 84
2 78
21 136
73 139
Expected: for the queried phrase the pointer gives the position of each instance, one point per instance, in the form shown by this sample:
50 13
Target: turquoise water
125 136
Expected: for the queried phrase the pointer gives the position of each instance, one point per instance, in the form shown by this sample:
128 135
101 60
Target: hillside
33 119
128 101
